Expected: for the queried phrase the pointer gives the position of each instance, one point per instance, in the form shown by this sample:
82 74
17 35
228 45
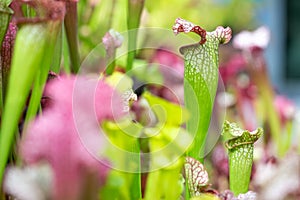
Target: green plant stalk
167 143
240 150
5 3
119 136
153 184
172 176
200 84
98 21
42 75
71 28
56 62
288 137
159 181
258 68
187 191
240 167
271 113
65 53
111 64
196 84
5 14
31 43
135 8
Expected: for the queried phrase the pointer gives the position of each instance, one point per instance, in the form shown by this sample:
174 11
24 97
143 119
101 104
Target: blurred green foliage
96 17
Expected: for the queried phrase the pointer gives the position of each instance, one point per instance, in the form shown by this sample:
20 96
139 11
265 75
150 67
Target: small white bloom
258 38
30 183
112 39
127 97
278 180
247 196
225 99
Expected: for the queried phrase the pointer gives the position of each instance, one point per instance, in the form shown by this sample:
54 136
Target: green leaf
124 154
200 79
141 67
56 61
165 111
120 81
42 75
168 143
240 148
65 53
167 148
158 182
5 14
113 187
31 43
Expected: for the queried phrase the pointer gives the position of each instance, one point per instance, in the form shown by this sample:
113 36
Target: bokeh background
282 17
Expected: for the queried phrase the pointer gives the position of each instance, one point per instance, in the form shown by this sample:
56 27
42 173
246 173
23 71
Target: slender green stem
271 113
66 53
259 73
41 77
56 62
187 191
166 144
135 8
159 181
71 28
287 138
111 65
153 184
131 189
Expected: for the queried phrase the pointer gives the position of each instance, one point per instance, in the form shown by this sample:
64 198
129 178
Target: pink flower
171 67
231 69
220 161
235 74
68 135
111 41
168 60
285 107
